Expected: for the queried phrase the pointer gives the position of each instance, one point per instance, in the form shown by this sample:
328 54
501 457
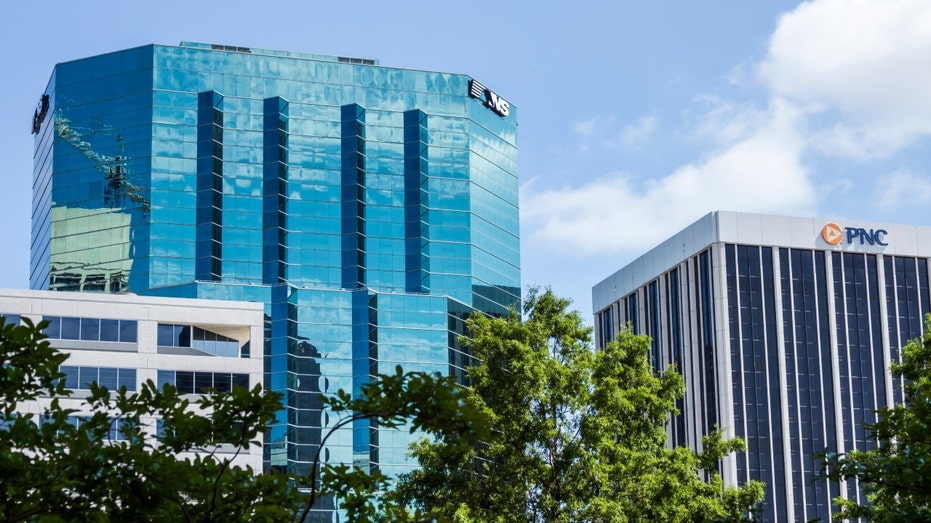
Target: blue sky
635 118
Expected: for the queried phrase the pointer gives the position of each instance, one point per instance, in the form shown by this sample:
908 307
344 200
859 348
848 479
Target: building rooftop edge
277 52
269 53
130 298
753 229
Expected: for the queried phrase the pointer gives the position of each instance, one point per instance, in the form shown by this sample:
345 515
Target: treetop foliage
56 469
548 430
108 467
896 474
577 435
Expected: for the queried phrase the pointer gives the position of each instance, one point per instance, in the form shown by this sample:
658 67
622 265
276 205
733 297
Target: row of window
187 382
191 382
80 378
90 329
114 434
96 329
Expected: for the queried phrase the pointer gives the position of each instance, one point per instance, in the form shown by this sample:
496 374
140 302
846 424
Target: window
10 318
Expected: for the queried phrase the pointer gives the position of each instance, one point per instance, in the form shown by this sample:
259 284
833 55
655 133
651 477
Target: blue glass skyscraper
372 209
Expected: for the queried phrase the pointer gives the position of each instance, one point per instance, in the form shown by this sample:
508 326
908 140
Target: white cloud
588 128
761 173
603 132
845 80
865 60
904 188
726 122
634 134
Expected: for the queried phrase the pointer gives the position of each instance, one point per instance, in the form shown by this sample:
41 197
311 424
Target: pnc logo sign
834 234
498 105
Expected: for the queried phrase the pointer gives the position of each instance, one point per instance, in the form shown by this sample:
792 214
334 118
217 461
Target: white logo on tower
499 105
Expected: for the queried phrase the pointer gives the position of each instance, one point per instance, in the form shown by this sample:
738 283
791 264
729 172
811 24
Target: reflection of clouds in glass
97 261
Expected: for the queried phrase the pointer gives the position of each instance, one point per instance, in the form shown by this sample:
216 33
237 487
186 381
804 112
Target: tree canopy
577 435
106 468
58 466
548 430
896 474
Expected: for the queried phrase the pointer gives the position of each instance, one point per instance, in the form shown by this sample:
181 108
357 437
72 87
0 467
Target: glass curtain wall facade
372 209
786 346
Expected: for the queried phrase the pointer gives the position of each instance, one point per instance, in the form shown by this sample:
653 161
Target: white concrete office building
124 340
783 329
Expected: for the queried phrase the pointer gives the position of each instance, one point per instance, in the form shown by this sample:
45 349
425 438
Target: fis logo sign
498 105
833 234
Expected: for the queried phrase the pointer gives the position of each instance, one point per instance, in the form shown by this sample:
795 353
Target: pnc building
783 330
370 209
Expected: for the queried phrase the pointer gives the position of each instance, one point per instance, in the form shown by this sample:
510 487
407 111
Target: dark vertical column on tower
303 394
653 325
755 362
374 443
809 386
208 266
674 312
415 173
859 353
908 300
705 281
353 196
274 190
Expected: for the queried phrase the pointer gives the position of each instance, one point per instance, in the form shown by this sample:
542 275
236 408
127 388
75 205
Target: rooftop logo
39 116
834 234
498 105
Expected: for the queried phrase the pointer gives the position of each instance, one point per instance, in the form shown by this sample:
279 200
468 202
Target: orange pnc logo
832 234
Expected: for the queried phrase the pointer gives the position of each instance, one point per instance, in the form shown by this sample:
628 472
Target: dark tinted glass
128 379
166 336
54 327
86 376
202 382
108 378
70 328
109 330
71 376
90 329
128 331
184 382
166 377
241 380
223 381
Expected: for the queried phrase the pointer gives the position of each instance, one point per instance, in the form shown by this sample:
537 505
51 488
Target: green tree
418 401
577 435
56 470
896 474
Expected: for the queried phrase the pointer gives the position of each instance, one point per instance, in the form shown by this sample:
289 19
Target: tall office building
783 329
371 209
